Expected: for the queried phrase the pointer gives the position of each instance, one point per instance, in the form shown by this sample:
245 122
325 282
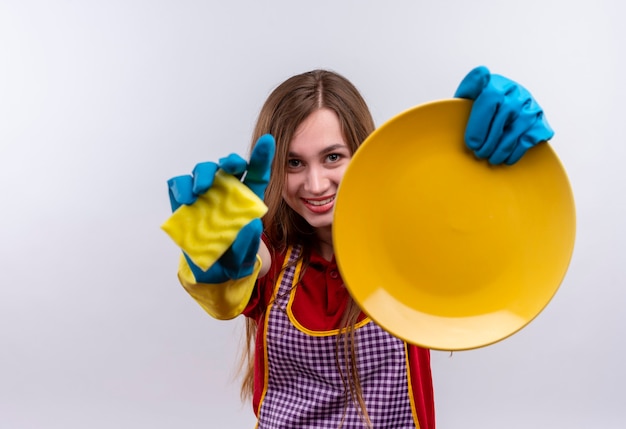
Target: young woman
315 360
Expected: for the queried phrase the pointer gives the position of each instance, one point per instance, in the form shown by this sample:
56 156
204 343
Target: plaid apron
304 387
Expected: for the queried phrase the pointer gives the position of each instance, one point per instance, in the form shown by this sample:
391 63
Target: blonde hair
285 109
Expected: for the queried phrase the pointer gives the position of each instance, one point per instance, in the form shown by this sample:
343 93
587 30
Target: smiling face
317 159
290 114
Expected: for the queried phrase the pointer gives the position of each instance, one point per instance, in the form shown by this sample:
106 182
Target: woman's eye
293 163
334 157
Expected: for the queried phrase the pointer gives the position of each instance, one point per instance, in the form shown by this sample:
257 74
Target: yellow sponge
206 228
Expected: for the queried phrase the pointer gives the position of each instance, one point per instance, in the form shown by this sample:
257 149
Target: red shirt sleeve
422 385
264 288
259 300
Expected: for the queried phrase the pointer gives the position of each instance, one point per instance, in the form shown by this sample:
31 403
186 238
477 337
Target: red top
319 301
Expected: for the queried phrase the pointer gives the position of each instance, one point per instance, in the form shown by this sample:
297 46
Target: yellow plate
442 249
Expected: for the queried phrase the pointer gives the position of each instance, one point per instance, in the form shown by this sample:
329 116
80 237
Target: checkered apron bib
304 386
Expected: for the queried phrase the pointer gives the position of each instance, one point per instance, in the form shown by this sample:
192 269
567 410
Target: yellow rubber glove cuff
222 301
205 229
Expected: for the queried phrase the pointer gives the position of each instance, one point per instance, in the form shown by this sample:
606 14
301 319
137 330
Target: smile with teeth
319 202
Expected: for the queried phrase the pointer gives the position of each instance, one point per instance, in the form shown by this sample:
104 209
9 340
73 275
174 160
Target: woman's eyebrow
333 148
328 149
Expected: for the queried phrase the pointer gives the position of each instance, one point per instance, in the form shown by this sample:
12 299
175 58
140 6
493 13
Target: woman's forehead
319 131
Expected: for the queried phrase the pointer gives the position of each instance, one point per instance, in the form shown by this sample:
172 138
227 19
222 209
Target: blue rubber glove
505 120
240 258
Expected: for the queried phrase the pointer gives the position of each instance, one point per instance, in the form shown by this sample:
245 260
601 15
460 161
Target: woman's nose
316 181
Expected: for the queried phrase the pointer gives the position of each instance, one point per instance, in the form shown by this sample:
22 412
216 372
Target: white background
102 101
